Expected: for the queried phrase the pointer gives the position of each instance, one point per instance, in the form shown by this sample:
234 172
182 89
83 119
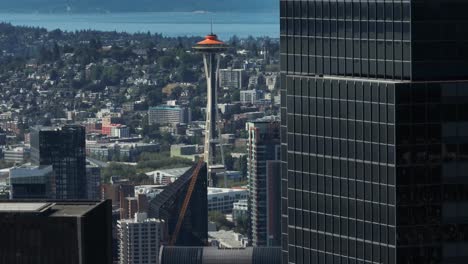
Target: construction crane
185 205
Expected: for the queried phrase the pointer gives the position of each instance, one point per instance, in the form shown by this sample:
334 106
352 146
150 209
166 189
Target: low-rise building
32 182
16 155
119 151
165 177
240 209
223 199
168 114
191 152
227 239
250 96
120 131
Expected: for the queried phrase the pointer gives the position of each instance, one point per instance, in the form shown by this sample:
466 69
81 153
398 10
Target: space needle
211 47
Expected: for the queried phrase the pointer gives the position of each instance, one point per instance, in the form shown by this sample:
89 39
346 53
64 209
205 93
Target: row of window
360 192
376 91
355 230
346 29
347 10
368 171
366 50
349 67
355 253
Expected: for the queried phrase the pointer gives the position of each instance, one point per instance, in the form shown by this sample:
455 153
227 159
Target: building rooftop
227 239
166 107
28 170
212 190
177 172
14 207
48 208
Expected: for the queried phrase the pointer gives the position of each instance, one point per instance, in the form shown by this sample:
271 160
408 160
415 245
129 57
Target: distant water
168 23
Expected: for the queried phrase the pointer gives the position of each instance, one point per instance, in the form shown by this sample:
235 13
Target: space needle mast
211 47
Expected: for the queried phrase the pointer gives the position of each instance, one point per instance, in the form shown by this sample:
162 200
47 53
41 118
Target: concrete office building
139 239
16 155
167 114
373 109
223 199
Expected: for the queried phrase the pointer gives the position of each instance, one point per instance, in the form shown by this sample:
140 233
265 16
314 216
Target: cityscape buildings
55 232
372 110
64 149
139 239
263 147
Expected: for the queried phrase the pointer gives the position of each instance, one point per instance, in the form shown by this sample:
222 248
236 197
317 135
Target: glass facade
374 135
65 150
401 40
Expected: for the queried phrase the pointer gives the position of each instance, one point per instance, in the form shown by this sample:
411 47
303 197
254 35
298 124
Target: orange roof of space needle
211 42
211 39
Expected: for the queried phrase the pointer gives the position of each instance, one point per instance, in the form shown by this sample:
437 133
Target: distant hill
59 6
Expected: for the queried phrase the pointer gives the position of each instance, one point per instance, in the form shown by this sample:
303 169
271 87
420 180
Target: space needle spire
211 47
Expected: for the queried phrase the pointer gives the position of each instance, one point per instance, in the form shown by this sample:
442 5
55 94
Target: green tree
242 225
167 62
220 220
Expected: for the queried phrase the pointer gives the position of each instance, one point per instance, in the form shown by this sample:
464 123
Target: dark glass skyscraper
374 134
55 232
65 149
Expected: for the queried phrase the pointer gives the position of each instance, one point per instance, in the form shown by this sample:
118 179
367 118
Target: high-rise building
55 232
374 131
64 149
32 182
263 147
139 239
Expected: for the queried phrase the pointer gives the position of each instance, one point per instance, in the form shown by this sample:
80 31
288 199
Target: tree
242 224
167 62
235 96
229 162
241 165
220 220
184 74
